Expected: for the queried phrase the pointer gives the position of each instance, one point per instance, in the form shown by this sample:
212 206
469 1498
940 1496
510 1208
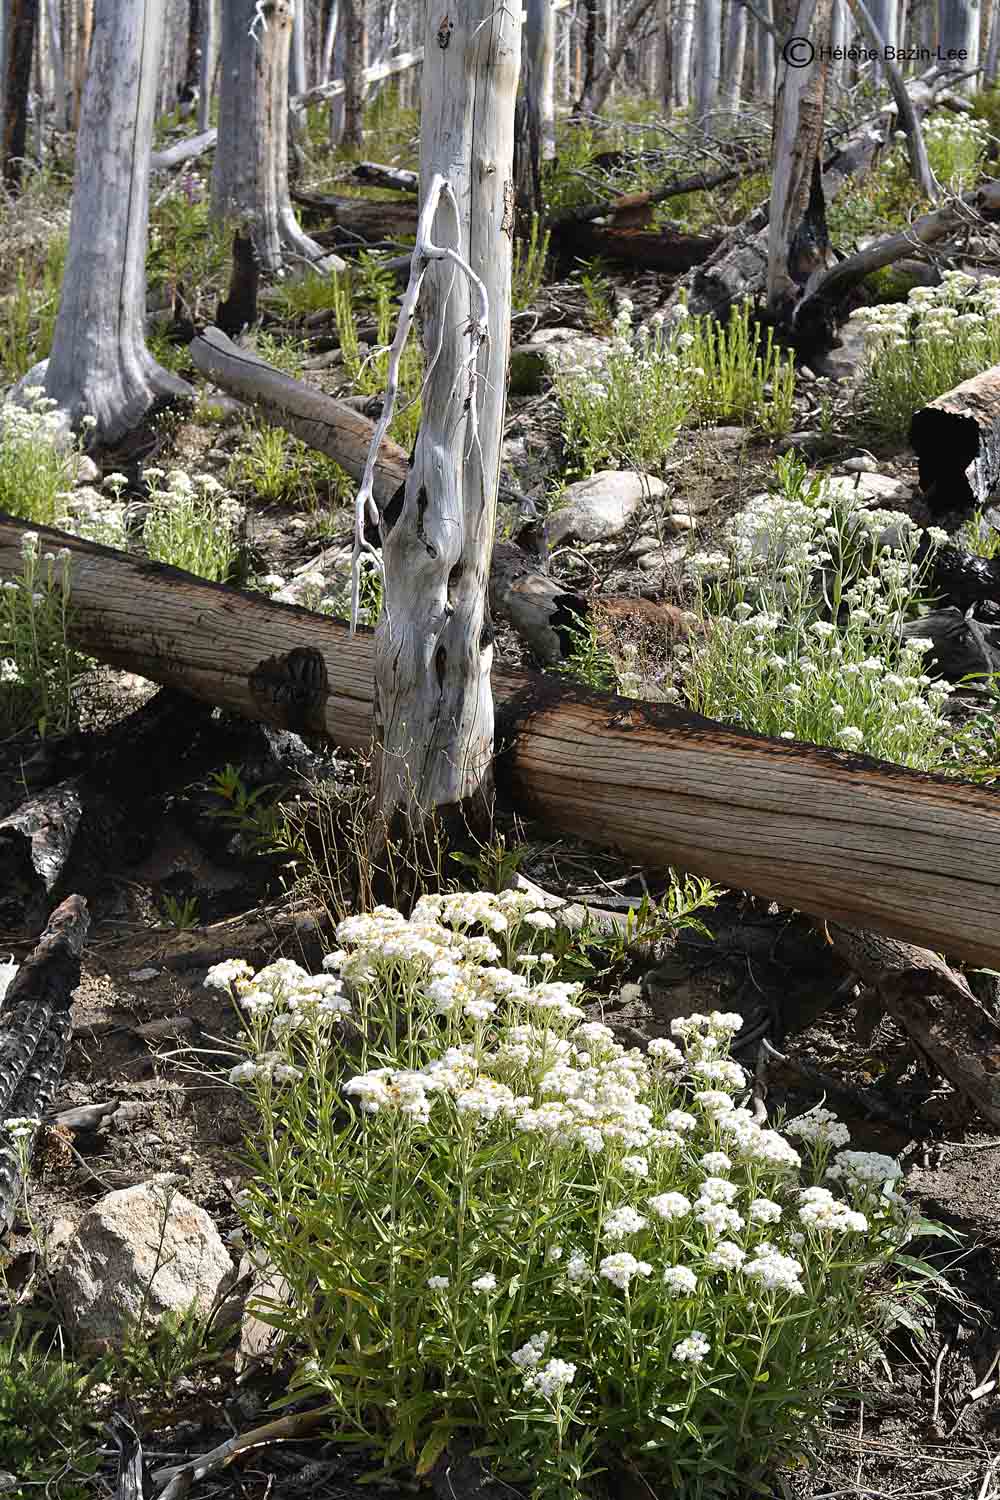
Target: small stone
140 1248
601 506
862 465
85 471
140 976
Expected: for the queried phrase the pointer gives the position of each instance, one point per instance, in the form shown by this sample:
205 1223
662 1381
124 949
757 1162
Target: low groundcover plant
500 1226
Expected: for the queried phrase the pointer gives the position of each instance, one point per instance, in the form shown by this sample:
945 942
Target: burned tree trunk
957 442
100 365
34 1035
22 21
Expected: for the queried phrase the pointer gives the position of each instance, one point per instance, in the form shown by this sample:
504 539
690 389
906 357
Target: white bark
60 103
250 175
209 61
993 50
839 33
708 55
329 36
960 30
539 40
684 12
434 707
765 69
99 363
736 46
353 21
299 72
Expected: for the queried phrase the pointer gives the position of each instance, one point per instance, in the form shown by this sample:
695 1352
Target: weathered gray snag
957 442
100 364
434 651
250 173
826 832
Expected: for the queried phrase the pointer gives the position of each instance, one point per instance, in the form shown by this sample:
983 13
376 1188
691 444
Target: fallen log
665 250
34 1035
370 218
545 615
185 150
697 182
965 579
738 268
957 442
325 424
388 177
827 832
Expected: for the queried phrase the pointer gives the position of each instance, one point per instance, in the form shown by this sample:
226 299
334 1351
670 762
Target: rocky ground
145 1125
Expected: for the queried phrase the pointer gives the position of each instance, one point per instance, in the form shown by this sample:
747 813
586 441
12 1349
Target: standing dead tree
100 365
434 651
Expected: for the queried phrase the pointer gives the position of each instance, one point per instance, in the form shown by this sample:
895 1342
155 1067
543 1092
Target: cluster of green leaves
47 1441
39 668
741 374
30 308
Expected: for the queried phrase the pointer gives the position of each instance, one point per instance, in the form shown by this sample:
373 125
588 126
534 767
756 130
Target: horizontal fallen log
830 833
957 442
34 1034
378 175
696 182
186 150
325 424
367 218
666 250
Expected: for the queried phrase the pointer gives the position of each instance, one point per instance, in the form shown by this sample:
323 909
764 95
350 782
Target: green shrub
39 669
192 524
917 350
738 373
497 1225
45 1416
527 275
803 616
29 314
35 465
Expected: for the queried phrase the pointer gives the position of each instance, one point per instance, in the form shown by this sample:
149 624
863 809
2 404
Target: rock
141 1248
810 441
601 506
140 976
862 465
258 1339
85 471
867 486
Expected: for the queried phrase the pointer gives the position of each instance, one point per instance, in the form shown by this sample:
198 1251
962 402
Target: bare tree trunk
709 55
434 644
765 50
355 47
84 34
885 16
839 32
100 365
539 38
22 18
798 137
919 165
209 61
960 30
662 84
736 46
684 13
299 72
60 109
250 176
329 37
339 69
601 86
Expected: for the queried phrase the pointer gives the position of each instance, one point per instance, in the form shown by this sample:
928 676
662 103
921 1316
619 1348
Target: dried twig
175 1481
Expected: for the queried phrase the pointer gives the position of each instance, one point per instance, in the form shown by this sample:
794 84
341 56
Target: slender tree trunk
736 46
100 365
798 136
539 40
355 48
209 61
709 55
992 72
839 33
434 651
60 111
22 18
337 104
299 72
84 34
662 70
960 30
250 176
765 52
329 37
684 13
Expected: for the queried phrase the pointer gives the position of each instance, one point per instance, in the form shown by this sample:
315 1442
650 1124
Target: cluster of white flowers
819 1127
621 1267
21 1127
821 1210
693 1349
864 1172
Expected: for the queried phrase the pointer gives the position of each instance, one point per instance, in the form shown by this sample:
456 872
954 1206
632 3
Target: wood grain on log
826 832
368 217
667 250
957 442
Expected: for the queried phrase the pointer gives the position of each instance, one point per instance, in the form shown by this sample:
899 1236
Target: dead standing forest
499 676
